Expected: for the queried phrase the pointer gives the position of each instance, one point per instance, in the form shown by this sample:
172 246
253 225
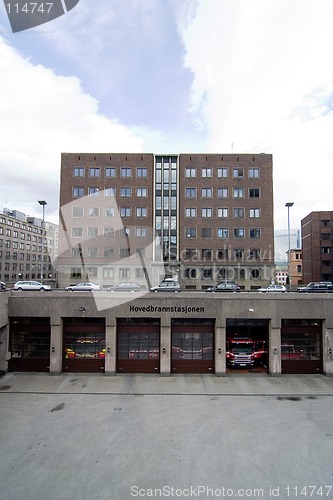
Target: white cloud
43 115
263 82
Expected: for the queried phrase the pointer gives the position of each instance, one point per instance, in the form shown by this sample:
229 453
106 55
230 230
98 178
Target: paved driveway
61 440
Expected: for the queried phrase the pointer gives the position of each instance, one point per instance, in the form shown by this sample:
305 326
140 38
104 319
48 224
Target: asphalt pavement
94 437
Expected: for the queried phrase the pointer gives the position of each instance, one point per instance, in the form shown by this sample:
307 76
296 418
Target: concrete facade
58 306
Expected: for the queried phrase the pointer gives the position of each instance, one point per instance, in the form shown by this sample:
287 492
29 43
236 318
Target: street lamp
43 203
288 205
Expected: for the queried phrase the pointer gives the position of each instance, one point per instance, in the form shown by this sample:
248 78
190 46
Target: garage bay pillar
56 349
328 349
274 350
110 350
220 354
165 348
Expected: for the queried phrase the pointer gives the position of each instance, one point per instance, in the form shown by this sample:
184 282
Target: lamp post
43 203
288 205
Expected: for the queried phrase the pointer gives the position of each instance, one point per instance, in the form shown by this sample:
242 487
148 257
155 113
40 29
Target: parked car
2 285
273 288
31 285
167 286
85 286
126 287
316 287
224 286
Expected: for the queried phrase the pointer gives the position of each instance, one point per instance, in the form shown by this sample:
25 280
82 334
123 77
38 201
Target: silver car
31 285
167 286
85 286
273 288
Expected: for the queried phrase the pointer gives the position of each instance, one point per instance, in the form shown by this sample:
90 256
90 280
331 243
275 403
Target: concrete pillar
274 351
220 354
56 349
328 351
4 344
165 349
110 350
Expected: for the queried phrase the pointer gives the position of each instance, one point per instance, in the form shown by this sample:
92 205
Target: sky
170 76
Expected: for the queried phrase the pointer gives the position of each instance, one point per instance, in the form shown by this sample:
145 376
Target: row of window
109 232
110 252
22 236
222 173
220 253
109 171
239 213
239 192
222 232
21 256
21 267
19 225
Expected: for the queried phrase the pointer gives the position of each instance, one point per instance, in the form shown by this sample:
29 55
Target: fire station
172 334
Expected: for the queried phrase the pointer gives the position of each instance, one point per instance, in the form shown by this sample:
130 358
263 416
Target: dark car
224 286
126 287
317 287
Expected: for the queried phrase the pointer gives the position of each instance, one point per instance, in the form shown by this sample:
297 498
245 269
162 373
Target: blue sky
170 76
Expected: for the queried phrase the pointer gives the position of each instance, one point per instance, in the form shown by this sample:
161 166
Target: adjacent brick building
317 246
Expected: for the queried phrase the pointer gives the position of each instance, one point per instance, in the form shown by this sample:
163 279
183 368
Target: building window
254 193
124 232
238 173
124 252
191 212
141 212
141 192
93 191
206 232
141 232
206 213
191 232
239 253
109 212
108 272
206 173
326 250
190 192
238 213
206 253
108 232
254 232
125 172
254 173
222 173
254 253
255 213
110 172
94 172
222 192
125 192
77 232
124 272
109 252
77 211
206 192
222 212
125 212
190 172
222 232
92 232
75 272
78 171
78 192
141 172
93 212
239 232
92 252
110 191
238 193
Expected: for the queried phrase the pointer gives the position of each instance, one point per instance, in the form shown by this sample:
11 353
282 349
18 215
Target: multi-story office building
317 246
25 253
140 216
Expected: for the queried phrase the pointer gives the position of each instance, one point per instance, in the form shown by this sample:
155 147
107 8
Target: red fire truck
245 352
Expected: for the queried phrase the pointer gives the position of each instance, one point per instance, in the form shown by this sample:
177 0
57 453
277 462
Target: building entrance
29 344
84 345
247 345
138 345
301 346
192 346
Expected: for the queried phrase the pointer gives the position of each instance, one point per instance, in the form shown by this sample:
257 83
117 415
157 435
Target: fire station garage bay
167 334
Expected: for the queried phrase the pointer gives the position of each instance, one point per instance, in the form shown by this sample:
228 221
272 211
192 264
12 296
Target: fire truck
245 352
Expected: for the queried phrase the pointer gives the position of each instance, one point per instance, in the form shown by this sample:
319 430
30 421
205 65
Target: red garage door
192 346
301 346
